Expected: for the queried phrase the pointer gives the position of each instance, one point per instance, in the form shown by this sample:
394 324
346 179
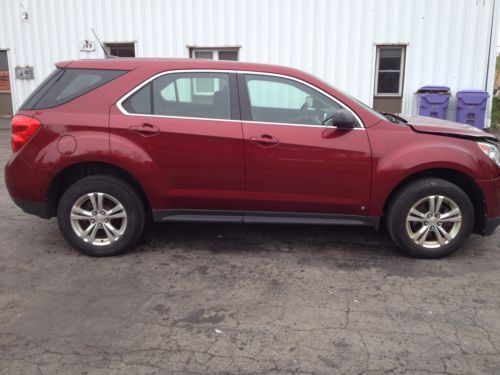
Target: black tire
408 196
119 190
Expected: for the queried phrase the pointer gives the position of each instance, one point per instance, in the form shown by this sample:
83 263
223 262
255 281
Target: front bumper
491 193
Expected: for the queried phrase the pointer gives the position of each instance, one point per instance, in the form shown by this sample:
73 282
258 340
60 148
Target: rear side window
140 102
199 95
64 85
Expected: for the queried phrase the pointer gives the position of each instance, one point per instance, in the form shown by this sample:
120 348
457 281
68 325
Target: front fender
409 153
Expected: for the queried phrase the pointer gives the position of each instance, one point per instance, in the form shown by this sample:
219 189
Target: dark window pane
121 49
140 101
42 88
390 63
203 95
388 83
390 58
228 55
68 84
390 52
3 61
204 55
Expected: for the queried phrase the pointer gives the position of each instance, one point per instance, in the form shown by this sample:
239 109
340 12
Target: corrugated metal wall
448 40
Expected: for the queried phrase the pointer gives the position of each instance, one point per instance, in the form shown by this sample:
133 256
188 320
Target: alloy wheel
433 221
98 218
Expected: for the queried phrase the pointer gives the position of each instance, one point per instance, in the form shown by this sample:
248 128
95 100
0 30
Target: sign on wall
87 46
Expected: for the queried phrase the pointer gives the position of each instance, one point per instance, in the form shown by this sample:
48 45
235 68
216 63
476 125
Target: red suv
106 144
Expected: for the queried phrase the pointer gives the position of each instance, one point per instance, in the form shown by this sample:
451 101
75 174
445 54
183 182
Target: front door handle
265 140
145 129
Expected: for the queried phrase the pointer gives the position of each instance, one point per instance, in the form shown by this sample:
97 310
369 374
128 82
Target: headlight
491 151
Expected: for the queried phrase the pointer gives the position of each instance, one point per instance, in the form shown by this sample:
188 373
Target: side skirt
253 217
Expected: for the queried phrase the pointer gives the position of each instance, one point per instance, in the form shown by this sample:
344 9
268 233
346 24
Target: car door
188 124
294 162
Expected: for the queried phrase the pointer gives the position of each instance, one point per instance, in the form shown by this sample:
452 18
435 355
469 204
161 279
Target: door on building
389 78
5 91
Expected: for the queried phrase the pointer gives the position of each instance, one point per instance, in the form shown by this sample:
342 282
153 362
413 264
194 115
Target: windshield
366 107
369 109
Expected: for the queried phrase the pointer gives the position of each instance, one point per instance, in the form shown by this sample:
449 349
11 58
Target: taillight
23 128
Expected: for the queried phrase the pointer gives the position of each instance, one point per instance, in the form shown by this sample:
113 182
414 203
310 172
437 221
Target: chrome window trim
138 87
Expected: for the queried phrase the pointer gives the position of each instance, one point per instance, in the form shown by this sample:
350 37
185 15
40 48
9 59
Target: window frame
215 52
401 70
246 111
291 84
238 95
109 45
234 107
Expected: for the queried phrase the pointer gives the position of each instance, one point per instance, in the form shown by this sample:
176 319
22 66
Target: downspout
490 48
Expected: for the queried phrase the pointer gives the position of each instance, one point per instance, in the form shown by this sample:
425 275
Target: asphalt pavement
234 299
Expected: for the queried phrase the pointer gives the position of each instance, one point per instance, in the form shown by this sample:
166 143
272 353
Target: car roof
161 64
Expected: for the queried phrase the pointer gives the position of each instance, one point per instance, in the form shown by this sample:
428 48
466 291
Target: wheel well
460 179
73 173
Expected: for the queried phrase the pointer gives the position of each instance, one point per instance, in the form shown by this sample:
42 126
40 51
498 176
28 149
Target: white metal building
380 51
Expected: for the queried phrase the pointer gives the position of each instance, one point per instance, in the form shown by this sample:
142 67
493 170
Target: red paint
307 171
184 163
189 164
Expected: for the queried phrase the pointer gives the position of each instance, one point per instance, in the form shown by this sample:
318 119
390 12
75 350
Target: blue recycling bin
433 101
471 107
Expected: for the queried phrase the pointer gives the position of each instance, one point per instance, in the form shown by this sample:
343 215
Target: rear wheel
101 216
430 218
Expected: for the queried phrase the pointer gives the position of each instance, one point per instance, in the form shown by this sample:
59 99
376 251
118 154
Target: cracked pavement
233 299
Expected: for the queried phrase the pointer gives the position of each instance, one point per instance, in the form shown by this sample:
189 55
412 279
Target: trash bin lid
434 98
472 97
434 89
473 92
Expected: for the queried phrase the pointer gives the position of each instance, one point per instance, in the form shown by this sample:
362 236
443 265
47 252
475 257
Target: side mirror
344 119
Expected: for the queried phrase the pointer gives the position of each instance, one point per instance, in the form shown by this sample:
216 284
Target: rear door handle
265 140
145 129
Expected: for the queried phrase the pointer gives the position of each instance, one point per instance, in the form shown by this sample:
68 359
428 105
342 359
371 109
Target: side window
202 95
64 85
140 101
281 100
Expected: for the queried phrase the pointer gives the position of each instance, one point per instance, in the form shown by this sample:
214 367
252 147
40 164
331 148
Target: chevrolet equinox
105 145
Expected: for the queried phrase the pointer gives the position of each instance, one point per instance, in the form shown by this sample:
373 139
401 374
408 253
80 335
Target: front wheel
430 218
101 216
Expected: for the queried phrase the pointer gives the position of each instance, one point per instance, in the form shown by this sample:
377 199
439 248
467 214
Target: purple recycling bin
433 101
471 107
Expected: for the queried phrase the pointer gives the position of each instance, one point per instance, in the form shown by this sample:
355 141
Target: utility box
24 72
433 101
471 107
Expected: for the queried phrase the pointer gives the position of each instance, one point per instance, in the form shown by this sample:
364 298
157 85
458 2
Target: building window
389 71
121 49
226 53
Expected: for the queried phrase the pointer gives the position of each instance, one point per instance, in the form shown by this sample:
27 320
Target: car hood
431 125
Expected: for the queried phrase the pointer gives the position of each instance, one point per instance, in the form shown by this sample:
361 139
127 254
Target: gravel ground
214 298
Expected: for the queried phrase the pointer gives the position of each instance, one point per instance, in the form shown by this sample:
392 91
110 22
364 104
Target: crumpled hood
443 127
